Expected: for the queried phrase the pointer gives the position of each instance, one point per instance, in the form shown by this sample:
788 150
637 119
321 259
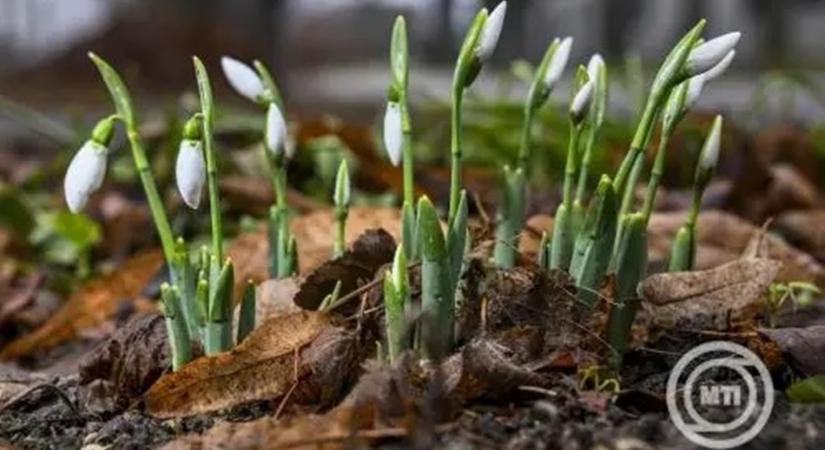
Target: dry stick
481 211
362 289
46 386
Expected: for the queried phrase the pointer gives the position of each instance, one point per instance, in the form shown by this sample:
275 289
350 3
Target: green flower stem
590 142
570 166
455 151
406 151
208 111
123 105
526 134
656 173
340 232
278 178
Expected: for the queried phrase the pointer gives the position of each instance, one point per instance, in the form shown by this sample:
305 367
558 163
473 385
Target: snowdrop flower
720 68
190 171
711 53
393 134
710 151
558 63
694 90
85 174
342 185
594 66
581 102
243 78
275 130
491 32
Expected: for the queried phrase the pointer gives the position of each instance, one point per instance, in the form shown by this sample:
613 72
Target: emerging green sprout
396 300
341 199
179 339
683 253
190 168
88 166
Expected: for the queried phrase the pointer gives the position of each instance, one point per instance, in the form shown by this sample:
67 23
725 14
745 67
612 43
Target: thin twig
362 289
42 386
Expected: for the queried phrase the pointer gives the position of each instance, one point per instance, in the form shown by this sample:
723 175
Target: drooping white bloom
242 78
558 62
190 172
694 90
710 151
711 53
84 175
594 66
491 32
275 129
720 68
342 185
393 133
581 102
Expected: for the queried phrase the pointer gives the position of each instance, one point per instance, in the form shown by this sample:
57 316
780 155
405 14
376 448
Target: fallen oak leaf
263 366
708 299
95 302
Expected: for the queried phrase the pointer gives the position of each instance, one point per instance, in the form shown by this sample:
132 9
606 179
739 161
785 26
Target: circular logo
719 395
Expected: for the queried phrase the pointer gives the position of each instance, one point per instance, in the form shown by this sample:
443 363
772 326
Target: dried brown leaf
96 302
708 299
263 366
803 346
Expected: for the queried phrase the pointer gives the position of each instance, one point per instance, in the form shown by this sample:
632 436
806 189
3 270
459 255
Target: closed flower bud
275 130
704 57
710 151
694 90
243 78
491 32
399 270
393 134
720 68
558 63
581 102
342 185
190 172
84 175
594 66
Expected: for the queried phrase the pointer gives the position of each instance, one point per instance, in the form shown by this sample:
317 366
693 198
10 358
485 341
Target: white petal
491 32
243 78
695 86
290 146
720 68
275 129
581 102
393 134
594 66
710 151
84 175
558 62
190 172
709 54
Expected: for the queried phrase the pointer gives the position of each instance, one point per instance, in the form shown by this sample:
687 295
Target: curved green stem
455 151
656 174
526 134
570 166
208 111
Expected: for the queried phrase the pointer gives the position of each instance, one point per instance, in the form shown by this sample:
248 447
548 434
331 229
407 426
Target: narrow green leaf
399 54
594 245
120 95
432 243
809 390
246 319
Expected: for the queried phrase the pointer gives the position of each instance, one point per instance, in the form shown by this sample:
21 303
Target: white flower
190 172
558 62
243 78
275 129
594 66
84 175
393 134
581 102
709 54
720 68
710 151
694 90
491 32
342 185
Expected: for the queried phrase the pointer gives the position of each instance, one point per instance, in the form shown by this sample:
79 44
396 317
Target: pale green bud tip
342 185
190 172
710 151
393 132
558 62
490 33
594 66
432 238
275 130
193 128
243 78
581 102
711 53
84 175
399 270
104 130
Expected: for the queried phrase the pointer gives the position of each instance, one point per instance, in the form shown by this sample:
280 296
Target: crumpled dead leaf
124 366
97 301
708 299
370 251
803 346
263 366
722 237
804 228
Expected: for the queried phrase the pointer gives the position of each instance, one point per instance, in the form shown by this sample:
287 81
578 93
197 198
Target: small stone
545 411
